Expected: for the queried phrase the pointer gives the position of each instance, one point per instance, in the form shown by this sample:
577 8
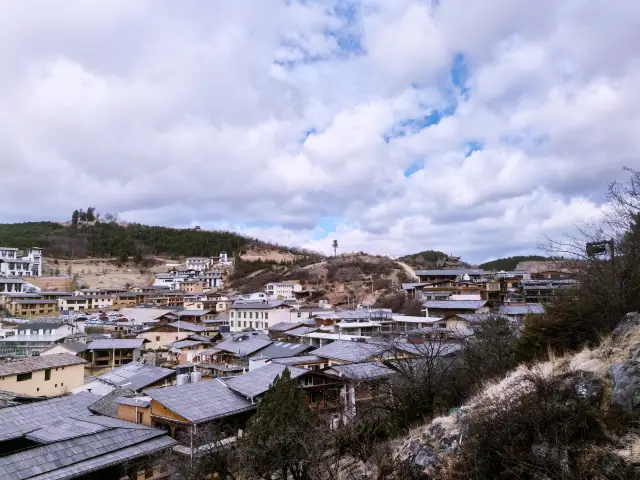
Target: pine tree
74 218
283 436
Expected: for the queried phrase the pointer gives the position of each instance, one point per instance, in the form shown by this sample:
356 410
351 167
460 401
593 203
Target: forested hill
109 239
510 263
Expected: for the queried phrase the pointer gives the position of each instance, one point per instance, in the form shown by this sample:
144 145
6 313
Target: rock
634 352
446 441
631 321
427 457
625 385
589 387
559 457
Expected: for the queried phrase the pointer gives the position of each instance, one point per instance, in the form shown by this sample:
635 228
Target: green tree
335 247
283 437
91 214
74 218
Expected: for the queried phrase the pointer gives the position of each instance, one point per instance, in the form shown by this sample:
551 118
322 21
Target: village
154 363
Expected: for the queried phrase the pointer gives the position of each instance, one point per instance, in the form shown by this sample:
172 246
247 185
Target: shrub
537 428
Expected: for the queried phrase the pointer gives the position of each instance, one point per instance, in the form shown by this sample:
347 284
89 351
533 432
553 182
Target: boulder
589 387
625 385
634 352
631 321
427 458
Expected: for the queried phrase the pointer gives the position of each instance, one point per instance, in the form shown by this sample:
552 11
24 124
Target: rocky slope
600 385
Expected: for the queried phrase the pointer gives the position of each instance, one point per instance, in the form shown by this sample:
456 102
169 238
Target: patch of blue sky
413 168
459 74
326 225
473 146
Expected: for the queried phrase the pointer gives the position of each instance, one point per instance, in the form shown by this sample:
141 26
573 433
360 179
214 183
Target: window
299 314
231 323
56 385
266 316
251 324
47 374
157 338
250 314
245 314
38 389
62 384
231 314
141 421
24 376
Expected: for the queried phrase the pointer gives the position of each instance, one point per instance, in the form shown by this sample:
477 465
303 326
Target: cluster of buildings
105 379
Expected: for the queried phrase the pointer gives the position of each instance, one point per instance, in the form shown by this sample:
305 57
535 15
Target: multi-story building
28 307
283 290
34 337
11 285
12 265
258 315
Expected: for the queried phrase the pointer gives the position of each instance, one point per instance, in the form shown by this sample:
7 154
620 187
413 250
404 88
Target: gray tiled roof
136 376
244 347
455 304
189 327
186 343
81 455
256 382
281 350
32 364
349 351
298 332
361 371
528 309
201 401
10 399
284 326
141 402
450 272
299 360
119 343
474 317
17 421
108 405
193 313
258 305
76 347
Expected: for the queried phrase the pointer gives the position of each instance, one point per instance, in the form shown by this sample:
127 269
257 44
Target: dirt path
409 271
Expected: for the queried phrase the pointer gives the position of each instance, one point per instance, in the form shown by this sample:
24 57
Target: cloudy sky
469 126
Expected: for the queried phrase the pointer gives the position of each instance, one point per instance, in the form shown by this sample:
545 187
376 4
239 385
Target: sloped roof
528 309
360 371
81 455
189 327
349 351
135 375
284 326
18 421
445 272
281 350
258 381
32 364
242 348
201 401
119 343
300 359
298 332
455 304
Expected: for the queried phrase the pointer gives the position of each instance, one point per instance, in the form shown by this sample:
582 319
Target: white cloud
268 117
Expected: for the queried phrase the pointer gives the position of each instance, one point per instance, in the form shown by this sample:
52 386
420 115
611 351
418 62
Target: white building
283 290
199 264
168 280
11 285
260 315
12 265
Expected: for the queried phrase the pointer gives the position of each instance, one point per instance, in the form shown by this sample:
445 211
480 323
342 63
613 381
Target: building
72 348
199 264
31 308
342 352
519 312
133 376
12 265
180 408
104 355
539 291
61 439
49 375
283 290
159 336
194 286
31 338
454 274
447 308
259 315
11 285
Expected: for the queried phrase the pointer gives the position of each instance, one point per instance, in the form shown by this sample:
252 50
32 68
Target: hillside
510 263
117 240
426 259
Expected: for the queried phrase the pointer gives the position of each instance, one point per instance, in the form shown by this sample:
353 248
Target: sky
392 126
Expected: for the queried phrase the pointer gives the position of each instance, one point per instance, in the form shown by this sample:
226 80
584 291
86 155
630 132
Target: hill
110 239
426 259
509 263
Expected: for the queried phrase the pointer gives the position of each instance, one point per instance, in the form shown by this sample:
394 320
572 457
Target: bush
537 428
